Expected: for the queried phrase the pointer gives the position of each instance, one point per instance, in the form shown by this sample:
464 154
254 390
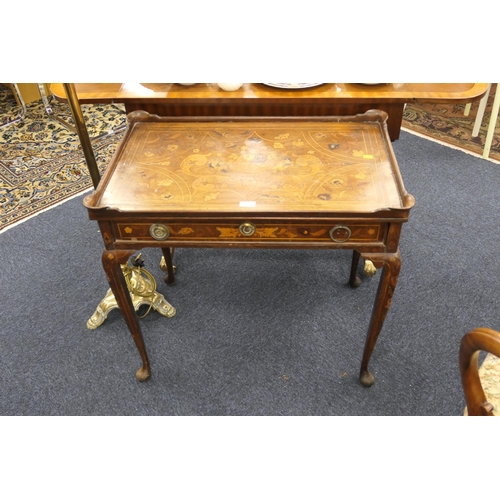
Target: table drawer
331 231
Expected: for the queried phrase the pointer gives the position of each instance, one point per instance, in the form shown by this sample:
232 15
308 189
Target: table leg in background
167 266
354 279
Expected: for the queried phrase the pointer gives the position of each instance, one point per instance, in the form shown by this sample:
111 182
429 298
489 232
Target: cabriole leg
391 264
112 260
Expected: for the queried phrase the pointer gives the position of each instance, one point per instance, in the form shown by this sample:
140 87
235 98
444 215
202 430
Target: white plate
293 85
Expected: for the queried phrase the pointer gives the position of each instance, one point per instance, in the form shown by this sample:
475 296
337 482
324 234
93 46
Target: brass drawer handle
247 229
340 234
159 232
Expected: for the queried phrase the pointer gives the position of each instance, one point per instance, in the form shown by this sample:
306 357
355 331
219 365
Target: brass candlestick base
142 288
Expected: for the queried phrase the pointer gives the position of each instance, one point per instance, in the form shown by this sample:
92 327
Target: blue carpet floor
257 332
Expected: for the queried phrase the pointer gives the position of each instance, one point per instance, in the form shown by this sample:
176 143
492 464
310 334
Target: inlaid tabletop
257 166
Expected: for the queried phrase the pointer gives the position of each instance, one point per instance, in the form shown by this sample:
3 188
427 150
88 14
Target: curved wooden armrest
479 339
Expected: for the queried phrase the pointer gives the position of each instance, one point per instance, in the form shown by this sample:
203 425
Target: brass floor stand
20 100
142 288
141 284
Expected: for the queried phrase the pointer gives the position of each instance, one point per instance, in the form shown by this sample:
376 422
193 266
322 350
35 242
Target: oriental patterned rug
41 161
447 124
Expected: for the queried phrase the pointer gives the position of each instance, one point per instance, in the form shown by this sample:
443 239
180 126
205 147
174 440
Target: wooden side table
257 99
326 183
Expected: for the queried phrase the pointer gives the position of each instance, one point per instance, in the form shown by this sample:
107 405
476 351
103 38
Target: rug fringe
452 146
10 226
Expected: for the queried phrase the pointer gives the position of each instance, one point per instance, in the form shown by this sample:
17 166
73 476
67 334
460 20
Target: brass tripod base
142 288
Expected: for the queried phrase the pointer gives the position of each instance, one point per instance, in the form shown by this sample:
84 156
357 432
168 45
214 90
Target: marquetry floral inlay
321 232
220 165
212 196
164 182
267 232
228 232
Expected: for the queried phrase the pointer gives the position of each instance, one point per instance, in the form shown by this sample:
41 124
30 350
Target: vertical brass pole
82 132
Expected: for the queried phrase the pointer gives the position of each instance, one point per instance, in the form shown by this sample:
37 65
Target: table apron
365 236
361 248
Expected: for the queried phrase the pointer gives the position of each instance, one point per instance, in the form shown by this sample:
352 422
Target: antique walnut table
304 183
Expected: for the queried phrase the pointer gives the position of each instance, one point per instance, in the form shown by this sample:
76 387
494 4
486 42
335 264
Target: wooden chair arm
473 342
